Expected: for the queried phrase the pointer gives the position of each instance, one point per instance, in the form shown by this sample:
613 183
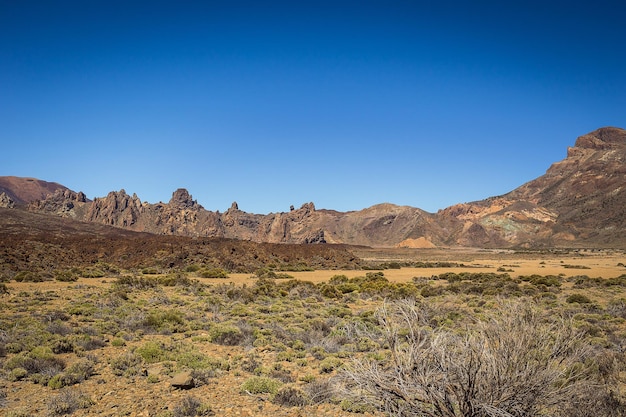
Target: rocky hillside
43 243
18 190
580 201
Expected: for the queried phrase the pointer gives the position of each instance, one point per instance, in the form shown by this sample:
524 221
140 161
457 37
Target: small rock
182 380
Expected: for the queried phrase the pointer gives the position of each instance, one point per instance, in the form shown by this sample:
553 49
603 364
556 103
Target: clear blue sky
346 104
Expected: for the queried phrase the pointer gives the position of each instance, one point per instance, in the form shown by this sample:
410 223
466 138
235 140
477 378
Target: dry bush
290 396
515 364
66 402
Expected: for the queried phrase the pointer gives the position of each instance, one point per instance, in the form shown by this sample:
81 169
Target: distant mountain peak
603 138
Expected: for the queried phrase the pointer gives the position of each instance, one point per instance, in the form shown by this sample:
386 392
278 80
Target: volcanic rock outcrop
580 201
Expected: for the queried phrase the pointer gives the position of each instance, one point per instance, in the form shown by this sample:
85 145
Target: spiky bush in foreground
517 363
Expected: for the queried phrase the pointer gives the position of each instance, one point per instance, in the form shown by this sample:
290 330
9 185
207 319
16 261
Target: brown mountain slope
588 188
579 201
24 190
43 243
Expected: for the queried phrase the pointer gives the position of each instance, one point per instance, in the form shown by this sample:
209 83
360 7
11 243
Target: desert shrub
170 320
320 390
329 364
63 345
266 287
354 407
430 291
251 363
213 273
224 334
517 363
290 396
92 273
617 308
40 360
545 280
578 298
152 352
65 275
329 290
134 282
200 361
118 342
87 342
191 407
17 374
174 279
29 276
193 268
261 385
298 288
128 364
281 374
267 273
66 402
3 288
616 281
18 412
297 267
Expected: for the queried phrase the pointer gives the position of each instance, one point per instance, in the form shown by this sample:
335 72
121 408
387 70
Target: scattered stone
182 380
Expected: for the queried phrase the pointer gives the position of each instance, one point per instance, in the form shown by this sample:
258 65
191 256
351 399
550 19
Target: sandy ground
592 264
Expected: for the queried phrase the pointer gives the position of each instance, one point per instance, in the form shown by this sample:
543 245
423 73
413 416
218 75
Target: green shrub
17 374
40 360
65 275
92 273
330 291
171 320
175 279
213 273
329 364
578 298
66 402
152 352
261 385
118 342
135 282
200 361
192 268
224 334
127 365
28 276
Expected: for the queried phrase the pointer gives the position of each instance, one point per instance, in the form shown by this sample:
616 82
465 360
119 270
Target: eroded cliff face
579 201
587 189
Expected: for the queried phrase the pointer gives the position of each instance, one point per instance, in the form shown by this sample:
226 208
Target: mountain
24 190
580 201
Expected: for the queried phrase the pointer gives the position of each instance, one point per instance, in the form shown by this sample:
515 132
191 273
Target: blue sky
271 104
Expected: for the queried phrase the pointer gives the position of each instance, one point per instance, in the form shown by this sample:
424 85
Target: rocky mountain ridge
580 201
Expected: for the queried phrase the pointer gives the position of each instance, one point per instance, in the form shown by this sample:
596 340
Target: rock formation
579 201
6 201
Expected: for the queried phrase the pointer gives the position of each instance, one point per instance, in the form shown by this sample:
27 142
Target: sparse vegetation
296 344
